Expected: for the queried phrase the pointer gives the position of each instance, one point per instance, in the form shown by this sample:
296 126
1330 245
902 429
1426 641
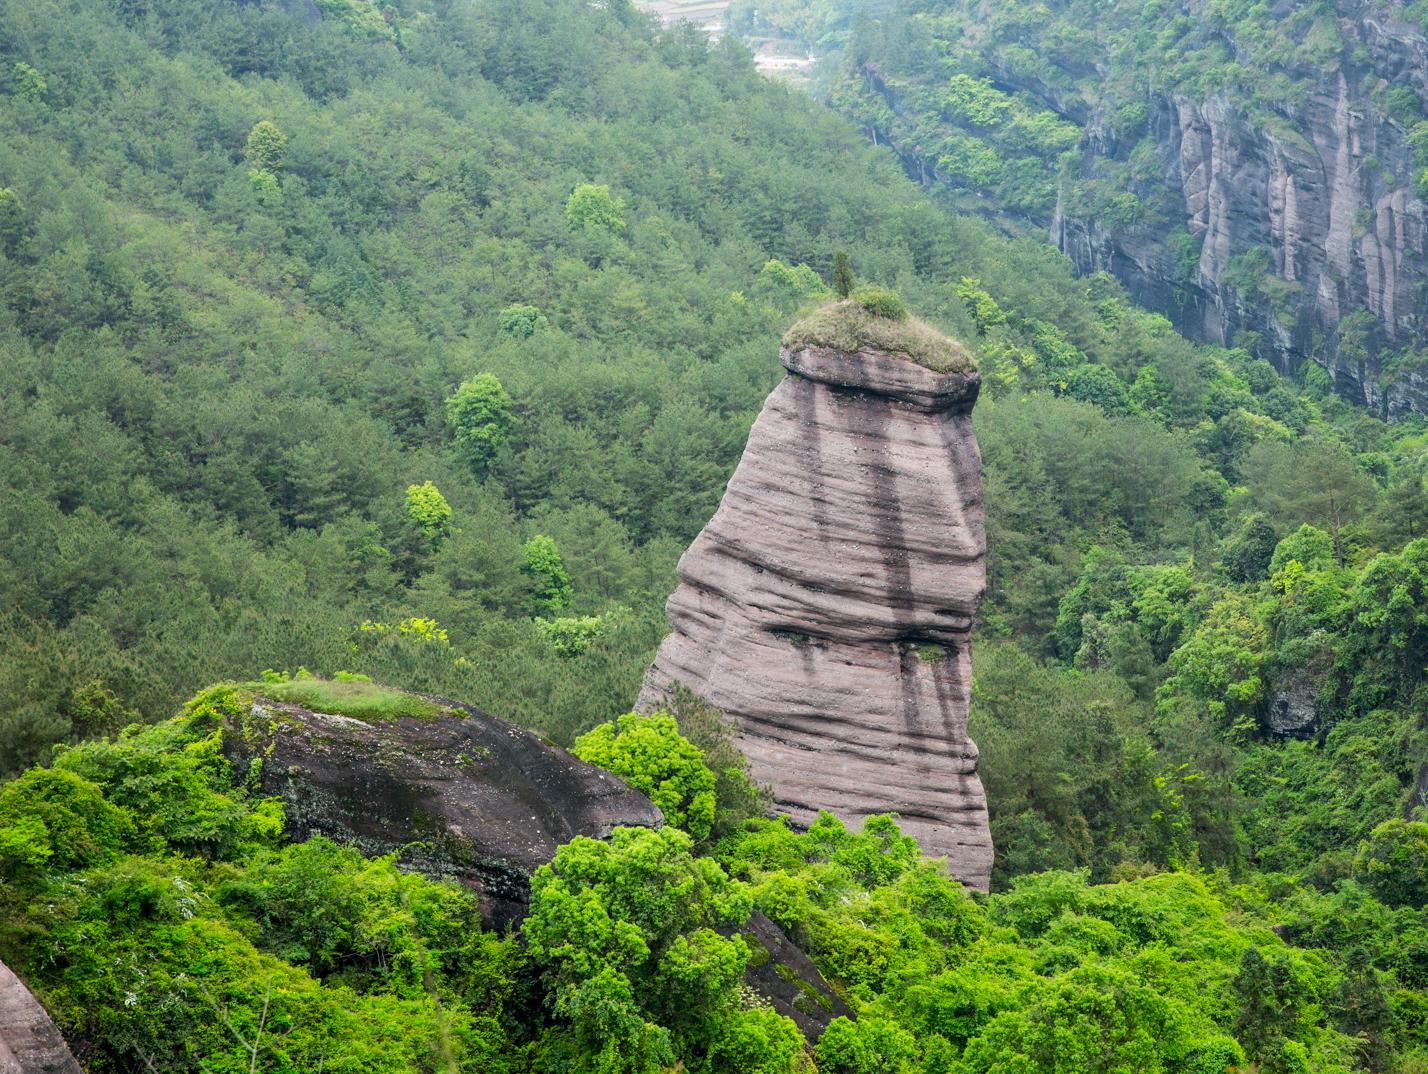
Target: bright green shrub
650 753
521 321
591 208
881 302
550 582
480 418
429 509
1393 863
266 147
58 819
1093 383
571 636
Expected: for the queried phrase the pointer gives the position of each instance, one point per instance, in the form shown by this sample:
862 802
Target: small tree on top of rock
843 274
881 302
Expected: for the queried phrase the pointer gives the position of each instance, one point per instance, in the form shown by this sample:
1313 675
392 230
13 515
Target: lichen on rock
827 606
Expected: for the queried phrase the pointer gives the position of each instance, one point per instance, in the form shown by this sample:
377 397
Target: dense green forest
418 341
151 898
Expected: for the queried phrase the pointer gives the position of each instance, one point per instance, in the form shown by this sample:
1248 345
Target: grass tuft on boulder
881 302
850 326
349 697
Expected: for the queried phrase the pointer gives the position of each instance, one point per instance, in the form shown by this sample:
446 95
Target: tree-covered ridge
472 474
267 276
152 902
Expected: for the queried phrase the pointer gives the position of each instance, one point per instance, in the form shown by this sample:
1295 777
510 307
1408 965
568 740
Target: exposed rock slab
1293 707
30 1043
464 795
788 979
827 605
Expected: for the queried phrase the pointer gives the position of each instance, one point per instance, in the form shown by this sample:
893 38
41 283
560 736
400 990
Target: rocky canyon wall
1309 229
1310 236
828 604
1282 212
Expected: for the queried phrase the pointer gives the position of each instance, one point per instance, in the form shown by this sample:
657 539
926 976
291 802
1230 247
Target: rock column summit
827 606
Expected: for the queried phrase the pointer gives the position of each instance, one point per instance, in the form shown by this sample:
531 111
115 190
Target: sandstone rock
827 606
463 795
788 979
30 1043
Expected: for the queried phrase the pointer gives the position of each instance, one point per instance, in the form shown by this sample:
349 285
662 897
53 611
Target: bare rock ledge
827 606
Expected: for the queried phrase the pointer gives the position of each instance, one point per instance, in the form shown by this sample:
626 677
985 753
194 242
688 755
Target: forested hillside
418 341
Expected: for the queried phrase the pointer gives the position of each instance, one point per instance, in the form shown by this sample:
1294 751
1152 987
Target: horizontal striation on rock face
465 795
30 1043
827 605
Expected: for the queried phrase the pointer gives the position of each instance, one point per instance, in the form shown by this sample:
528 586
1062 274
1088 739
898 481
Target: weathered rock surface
464 795
1342 239
788 979
1293 707
827 605
1416 808
30 1043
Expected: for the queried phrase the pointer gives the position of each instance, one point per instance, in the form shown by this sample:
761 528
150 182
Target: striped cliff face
827 606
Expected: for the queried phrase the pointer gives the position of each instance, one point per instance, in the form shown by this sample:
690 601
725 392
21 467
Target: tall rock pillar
828 604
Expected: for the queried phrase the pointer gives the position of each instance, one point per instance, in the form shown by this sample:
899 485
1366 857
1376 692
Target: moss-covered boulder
455 791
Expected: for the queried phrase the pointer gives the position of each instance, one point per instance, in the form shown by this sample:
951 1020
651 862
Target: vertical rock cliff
827 606
1259 176
1310 233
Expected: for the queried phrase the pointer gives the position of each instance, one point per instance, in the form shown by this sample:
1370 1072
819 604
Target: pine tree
843 281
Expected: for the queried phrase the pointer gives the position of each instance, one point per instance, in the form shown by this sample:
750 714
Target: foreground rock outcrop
30 1043
462 794
827 606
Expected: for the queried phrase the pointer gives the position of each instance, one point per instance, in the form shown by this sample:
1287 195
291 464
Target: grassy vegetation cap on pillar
870 319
